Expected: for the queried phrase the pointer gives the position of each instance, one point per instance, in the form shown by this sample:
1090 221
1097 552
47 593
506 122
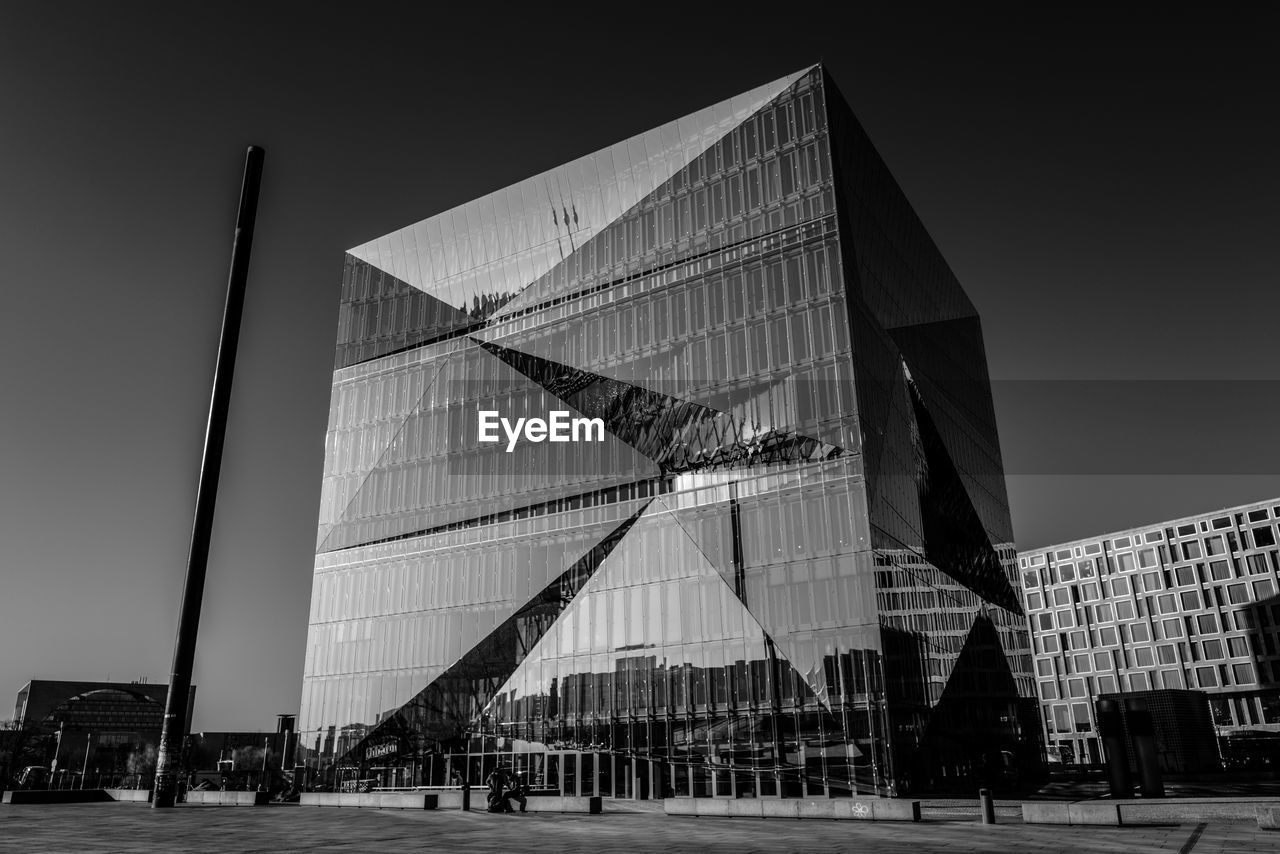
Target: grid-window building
1189 603
771 557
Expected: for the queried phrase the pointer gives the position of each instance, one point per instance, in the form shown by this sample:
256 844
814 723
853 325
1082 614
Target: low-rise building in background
107 731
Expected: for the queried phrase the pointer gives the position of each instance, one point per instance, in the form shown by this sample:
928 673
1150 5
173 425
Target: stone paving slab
117 829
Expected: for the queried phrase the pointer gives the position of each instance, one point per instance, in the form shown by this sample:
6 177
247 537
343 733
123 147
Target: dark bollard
1142 731
1111 728
988 805
466 797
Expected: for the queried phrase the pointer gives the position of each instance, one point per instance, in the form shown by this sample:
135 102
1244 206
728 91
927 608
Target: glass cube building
783 568
1186 604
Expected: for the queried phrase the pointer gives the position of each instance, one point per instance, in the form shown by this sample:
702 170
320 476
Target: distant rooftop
1270 506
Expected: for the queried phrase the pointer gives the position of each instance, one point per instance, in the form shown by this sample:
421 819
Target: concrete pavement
132 829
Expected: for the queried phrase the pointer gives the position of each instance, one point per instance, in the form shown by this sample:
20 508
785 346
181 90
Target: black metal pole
184 650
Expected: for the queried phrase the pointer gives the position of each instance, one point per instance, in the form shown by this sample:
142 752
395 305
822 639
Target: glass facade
1186 604
783 568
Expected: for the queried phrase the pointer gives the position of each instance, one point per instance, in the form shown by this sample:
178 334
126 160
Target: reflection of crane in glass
555 221
565 211
563 217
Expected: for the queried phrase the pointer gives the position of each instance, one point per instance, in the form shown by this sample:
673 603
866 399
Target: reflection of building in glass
1189 603
242 760
787 570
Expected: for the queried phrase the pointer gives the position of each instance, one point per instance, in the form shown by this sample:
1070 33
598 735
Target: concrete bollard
466 797
988 805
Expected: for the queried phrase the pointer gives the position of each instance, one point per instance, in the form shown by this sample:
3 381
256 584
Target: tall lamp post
84 769
184 651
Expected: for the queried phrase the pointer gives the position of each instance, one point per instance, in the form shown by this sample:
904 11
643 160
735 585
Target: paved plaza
128 828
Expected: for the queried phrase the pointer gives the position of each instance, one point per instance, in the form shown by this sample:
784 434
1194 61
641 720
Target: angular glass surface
537 223
785 568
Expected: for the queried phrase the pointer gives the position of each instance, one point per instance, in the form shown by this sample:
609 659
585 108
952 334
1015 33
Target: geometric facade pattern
786 570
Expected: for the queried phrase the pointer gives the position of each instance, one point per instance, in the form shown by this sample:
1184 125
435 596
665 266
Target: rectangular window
735 196
1207 624
700 209
788 174
1102 660
1264 536
1207 677
1173 628
1243 674
1151 582
1062 596
1144 656
1048 690
717 203
1139 633
1214 546
1190 600
771 182
755 196
1213 650
1125 561
1167 653
1108 636
1191 550
736 293
1124 610
1147 558
1237 647
1220 570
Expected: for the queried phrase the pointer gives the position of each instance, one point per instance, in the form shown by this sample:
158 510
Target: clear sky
1104 182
